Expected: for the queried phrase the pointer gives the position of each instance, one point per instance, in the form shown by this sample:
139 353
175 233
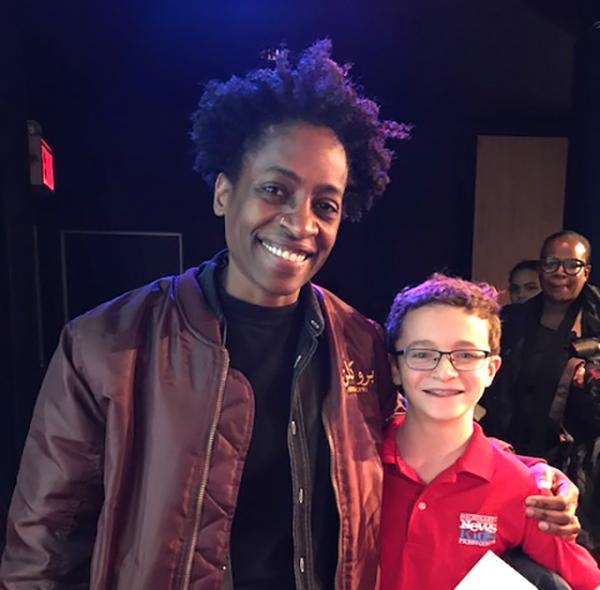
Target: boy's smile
444 393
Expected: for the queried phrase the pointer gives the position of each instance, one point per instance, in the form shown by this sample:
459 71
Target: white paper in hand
491 573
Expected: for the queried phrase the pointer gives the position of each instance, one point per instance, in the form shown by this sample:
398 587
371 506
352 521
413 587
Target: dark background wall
113 83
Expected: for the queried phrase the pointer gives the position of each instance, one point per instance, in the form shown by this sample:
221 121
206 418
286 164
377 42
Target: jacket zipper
298 368
337 499
200 497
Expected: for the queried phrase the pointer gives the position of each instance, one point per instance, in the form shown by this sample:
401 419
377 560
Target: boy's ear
396 376
222 194
494 363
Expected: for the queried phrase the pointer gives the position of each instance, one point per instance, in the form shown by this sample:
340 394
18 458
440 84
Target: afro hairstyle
232 117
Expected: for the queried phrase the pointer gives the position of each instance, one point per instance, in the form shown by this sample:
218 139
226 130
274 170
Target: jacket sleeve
58 496
389 400
582 417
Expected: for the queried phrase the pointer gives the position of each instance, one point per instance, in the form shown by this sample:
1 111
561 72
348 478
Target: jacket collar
527 315
208 320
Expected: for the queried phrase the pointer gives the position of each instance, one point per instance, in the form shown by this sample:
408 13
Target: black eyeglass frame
402 352
557 263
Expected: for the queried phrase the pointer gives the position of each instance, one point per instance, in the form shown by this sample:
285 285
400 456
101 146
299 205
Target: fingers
551 504
544 476
549 524
579 376
550 478
568 491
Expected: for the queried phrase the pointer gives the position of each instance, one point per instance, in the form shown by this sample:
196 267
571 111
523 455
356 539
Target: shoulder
130 313
508 468
337 309
519 311
591 300
516 317
594 292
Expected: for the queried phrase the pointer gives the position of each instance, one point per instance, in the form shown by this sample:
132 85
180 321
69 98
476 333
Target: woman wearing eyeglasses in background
544 401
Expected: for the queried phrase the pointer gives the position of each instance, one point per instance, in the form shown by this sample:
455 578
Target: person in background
545 401
524 281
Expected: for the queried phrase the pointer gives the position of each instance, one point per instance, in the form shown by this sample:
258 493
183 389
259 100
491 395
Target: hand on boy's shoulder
555 504
555 509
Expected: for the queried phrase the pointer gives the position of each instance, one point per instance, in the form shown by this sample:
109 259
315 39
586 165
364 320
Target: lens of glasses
572 266
549 265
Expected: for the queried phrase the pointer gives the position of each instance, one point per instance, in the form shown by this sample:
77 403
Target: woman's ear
221 195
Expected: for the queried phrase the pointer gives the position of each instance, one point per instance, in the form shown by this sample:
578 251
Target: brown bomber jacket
136 448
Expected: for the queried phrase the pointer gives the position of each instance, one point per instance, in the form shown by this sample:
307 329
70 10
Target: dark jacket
520 323
131 469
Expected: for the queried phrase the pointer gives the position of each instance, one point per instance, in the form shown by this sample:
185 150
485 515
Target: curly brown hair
480 299
232 116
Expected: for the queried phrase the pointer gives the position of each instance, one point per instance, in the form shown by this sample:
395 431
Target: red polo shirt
432 535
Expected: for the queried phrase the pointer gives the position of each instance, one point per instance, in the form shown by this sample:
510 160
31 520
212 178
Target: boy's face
283 213
443 393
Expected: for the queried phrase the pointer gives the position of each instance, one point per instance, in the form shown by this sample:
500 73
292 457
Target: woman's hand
556 513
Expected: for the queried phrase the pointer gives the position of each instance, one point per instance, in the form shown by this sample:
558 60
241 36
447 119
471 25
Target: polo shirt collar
477 459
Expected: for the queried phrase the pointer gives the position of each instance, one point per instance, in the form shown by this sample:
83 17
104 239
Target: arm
566 558
54 511
582 416
555 513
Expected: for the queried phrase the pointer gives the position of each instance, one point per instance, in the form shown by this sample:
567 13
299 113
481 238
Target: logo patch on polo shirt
355 380
477 529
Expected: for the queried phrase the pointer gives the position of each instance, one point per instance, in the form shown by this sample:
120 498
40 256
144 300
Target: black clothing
284 355
262 344
534 392
540 577
522 393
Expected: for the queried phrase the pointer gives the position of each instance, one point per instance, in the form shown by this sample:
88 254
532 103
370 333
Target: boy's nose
445 368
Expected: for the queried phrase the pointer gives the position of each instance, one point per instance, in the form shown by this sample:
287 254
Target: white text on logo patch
477 529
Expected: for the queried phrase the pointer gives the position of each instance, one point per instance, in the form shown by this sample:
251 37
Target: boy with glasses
446 487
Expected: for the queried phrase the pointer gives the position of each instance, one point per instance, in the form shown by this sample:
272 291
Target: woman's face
283 213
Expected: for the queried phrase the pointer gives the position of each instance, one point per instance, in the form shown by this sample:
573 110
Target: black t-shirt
262 343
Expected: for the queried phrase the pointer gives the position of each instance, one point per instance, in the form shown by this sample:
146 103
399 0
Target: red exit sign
41 159
47 165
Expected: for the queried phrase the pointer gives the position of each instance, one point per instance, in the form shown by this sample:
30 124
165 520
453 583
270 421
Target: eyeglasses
427 359
572 266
